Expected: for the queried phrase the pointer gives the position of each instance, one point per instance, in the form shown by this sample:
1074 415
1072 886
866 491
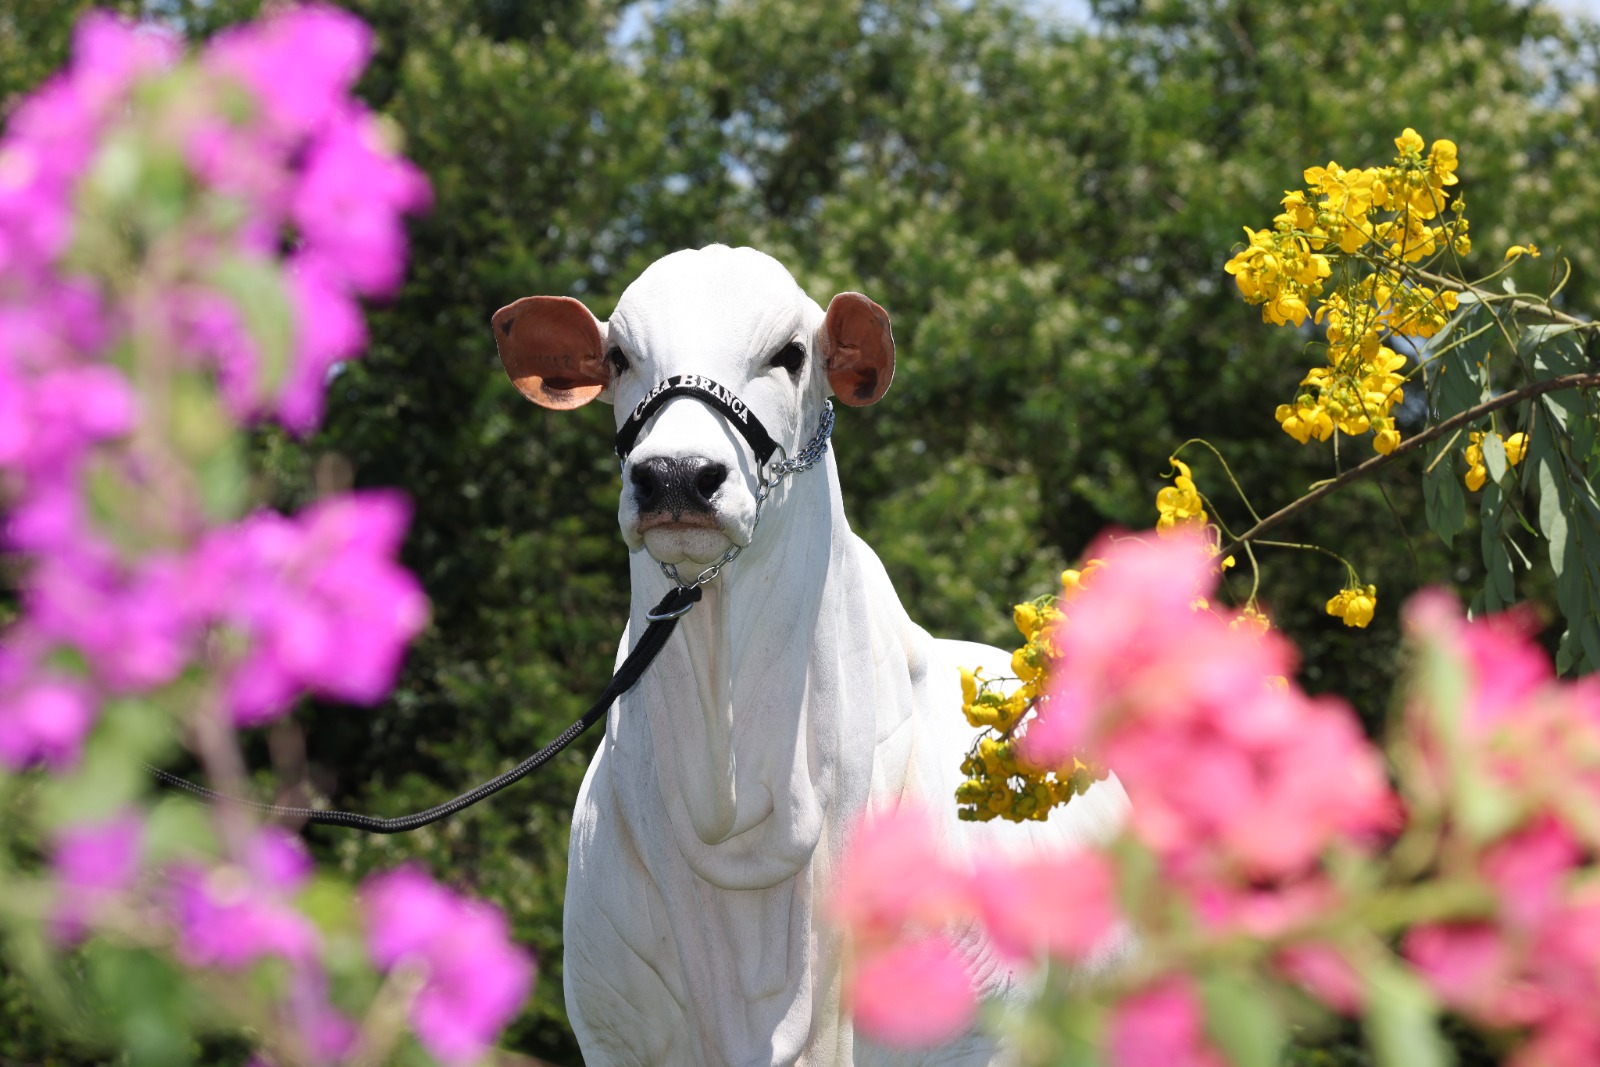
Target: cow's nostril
676 484
710 480
646 486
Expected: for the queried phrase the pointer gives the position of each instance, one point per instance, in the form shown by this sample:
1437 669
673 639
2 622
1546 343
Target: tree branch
1411 444
1489 296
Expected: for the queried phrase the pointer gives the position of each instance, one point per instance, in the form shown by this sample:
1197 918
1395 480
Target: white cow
794 695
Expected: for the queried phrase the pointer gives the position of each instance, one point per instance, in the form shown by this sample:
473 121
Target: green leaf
1400 1020
1589 639
256 289
146 1001
1494 456
1242 1019
1460 382
224 482
178 827
1552 515
1499 585
1444 500
1553 350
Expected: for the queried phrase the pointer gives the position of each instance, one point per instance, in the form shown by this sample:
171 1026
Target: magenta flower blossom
320 601
898 898
233 915
913 994
328 330
474 978
1325 973
43 719
1161 1027
1233 772
93 863
51 137
299 64
1062 906
1529 740
876 892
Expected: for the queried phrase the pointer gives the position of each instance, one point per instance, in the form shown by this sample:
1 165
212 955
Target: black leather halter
707 391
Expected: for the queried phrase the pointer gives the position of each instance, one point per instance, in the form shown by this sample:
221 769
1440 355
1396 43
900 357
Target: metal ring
653 617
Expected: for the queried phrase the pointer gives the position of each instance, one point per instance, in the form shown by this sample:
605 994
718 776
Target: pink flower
52 135
1161 1027
1472 968
93 863
349 202
300 63
233 915
1529 869
1231 772
1062 905
320 600
1324 973
474 978
43 719
913 994
893 873
328 329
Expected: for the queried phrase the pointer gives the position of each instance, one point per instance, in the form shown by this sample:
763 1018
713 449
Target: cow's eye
791 357
618 361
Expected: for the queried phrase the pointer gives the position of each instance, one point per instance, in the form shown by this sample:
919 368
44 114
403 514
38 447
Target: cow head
732 315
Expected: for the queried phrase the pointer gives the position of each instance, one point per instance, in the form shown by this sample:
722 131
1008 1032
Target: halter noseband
743 419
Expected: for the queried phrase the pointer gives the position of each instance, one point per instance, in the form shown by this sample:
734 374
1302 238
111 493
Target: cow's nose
670 483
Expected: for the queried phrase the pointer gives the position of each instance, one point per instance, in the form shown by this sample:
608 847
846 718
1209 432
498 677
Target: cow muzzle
682 507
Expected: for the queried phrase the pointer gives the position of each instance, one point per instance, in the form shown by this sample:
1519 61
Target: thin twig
1411 444
1489 296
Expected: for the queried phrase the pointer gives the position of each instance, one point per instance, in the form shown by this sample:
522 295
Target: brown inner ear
552 351
858 348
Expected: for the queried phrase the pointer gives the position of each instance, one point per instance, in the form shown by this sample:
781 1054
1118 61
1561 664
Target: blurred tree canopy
1044 210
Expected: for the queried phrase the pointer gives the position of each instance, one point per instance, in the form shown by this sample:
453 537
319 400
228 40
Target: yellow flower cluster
1279 271
1377 219
1516 447
1251 618
999 783
1355 605
1180 503
1345 208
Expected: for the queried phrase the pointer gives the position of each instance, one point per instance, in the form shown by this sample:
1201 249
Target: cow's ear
857 349
553 351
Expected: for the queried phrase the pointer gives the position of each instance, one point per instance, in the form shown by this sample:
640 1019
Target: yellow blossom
969 686
1251 618
1027 619
1180 503
1385 438
1442 162
1355 605
1409 142
1530 250
1073 579
1305 420
1516 446
1023 665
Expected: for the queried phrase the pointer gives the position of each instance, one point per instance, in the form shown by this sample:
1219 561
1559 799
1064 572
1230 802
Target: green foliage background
1043 208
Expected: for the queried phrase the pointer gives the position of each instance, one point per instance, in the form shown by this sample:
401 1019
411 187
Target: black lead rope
665 615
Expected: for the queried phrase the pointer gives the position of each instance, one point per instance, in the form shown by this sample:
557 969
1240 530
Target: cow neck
744 734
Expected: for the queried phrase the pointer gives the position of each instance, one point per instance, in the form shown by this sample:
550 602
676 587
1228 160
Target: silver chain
804 459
